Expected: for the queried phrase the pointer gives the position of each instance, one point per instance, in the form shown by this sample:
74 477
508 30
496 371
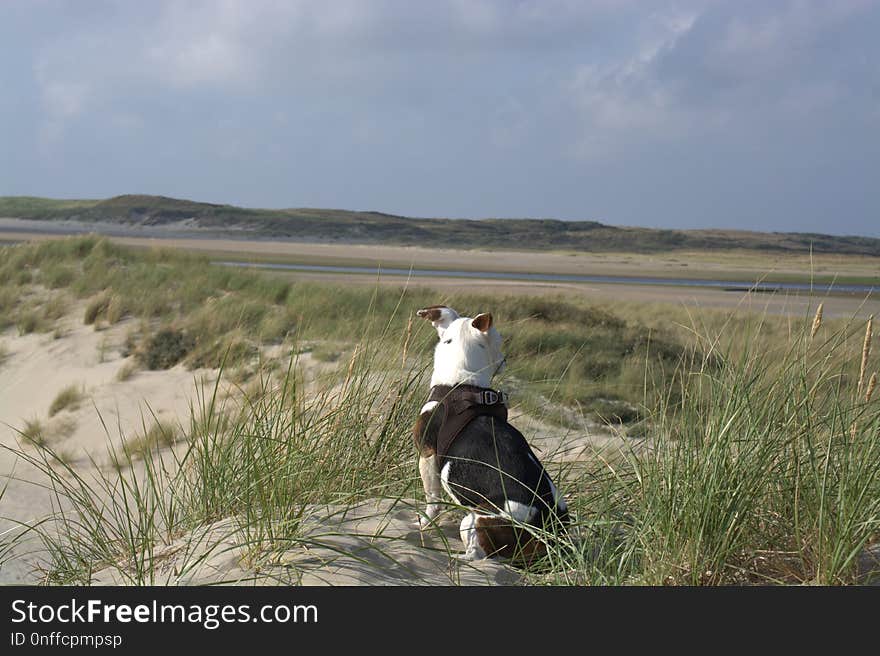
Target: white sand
373 543
37 368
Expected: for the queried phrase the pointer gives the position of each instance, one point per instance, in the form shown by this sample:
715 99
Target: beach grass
759 470
193 313
126 371
161 434
755 460
34 431
68 398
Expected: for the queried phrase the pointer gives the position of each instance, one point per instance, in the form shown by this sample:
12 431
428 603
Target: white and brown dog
467 448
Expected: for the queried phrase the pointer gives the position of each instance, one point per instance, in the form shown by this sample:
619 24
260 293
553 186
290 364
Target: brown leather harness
458 406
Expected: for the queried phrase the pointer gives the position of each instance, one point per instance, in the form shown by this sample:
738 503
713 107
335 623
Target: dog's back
491 465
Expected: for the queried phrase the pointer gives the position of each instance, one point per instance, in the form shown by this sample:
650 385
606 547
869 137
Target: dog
469 450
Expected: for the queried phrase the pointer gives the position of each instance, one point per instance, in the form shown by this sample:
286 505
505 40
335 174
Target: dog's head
469 349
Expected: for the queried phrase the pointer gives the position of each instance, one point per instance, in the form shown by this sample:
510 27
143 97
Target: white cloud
64 100
624 98
690 73
190 44
209 58
460 91
478 16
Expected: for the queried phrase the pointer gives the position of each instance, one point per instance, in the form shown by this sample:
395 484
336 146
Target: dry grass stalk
406 340
351 362
866 351
817 321
872 383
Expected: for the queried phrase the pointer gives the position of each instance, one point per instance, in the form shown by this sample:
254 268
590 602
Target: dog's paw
426 521
470 556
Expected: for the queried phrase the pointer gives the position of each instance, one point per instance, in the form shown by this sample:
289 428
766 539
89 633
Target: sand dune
376 542
38 366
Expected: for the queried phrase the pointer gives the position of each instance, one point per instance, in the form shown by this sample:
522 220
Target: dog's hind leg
433 488
425 437
503 536
468 533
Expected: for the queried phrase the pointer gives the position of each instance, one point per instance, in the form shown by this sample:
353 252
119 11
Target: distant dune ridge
366 227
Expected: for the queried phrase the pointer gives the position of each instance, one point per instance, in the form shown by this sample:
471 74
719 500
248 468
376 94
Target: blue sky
755 115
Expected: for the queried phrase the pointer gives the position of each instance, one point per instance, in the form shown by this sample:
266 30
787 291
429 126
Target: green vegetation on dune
378 227
577 355
260 465
762 471
35 207
757 464
607 363
67 399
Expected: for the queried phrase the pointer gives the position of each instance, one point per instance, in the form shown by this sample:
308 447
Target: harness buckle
491 397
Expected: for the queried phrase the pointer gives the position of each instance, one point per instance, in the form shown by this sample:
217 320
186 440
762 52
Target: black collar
472 394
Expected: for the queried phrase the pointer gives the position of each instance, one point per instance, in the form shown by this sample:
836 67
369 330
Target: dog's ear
440 316
482 322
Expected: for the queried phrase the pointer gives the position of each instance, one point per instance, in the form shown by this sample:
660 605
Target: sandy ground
37 368
376 542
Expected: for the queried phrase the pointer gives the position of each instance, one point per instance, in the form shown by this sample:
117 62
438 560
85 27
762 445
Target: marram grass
750 472
187 311
757 458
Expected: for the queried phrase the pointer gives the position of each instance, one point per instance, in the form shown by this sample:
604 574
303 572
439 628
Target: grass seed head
866 352
817 321
409 325
872 383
